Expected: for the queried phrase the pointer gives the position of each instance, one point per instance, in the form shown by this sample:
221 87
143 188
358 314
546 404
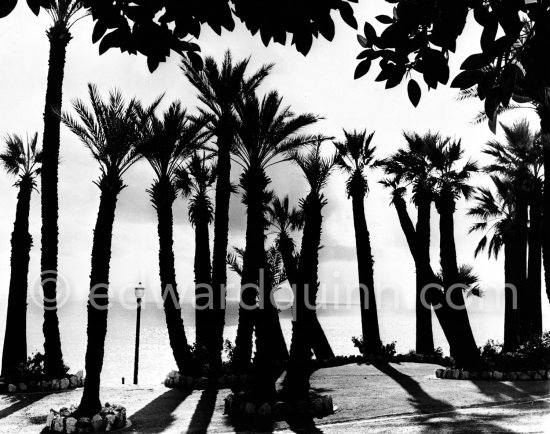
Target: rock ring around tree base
110 418
68 382
240 406
459 374
175 380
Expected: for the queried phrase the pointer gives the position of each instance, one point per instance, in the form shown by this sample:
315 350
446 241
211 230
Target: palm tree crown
355 155
495 212
267 133
63 13
21 159
112 133
195 180
168 142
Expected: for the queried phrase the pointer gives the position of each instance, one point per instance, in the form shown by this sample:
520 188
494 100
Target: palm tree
195 181
219 90
267 133
63 14
316 169
21 160
520 159
170 140
450 184
284 220
111 131
410 166
355 155
495 215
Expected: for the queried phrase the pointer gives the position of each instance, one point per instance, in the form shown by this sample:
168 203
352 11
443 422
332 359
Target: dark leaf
34 6
362 68
362 41
413 89
467 79
346 12
110 40
153 63
476 61
489 33
99 30
384 19
492 101
6 6
369 31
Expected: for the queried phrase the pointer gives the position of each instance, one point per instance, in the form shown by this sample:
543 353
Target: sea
340 323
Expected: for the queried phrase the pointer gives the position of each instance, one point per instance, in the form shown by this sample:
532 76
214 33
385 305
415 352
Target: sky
320 83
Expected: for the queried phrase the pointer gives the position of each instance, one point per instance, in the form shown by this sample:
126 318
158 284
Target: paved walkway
396 398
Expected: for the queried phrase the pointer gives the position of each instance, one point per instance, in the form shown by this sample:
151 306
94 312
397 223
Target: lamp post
139 291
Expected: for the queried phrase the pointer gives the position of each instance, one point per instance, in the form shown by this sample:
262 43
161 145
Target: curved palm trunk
424 331
432 296
221 233
465 352
296 382
511 313
15 339
520 242
369 313
98 303
53 357
319 342
202 277
163 198
534 269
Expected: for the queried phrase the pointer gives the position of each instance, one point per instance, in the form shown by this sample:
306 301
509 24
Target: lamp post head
139 291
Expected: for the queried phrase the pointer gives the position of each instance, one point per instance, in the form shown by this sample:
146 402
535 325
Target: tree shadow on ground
204 411
303 425
497 390
435 415
20 402
157 416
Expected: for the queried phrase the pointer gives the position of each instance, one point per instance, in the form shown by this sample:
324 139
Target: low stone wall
175 380
68 382
111 417
239 406
459 374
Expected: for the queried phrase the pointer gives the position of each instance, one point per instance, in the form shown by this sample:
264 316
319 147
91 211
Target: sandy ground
398 398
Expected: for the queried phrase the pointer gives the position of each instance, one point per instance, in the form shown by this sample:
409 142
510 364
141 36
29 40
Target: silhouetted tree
219 90
169 141
356 155
22 160
195 180
112 131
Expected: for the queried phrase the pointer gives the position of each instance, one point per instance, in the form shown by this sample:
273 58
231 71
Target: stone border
110 418
68 382
459 374
174 380
238 406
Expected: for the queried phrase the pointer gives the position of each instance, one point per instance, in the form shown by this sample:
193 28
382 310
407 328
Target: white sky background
321 83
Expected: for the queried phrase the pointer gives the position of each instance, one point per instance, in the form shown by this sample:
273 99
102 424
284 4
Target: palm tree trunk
163 198
544 114
520 240
98 302
296 382
250 279
534 269
15 339
511 313
433 296
369 313
202 279
319 342
221 233
424 332
53 357
465 352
